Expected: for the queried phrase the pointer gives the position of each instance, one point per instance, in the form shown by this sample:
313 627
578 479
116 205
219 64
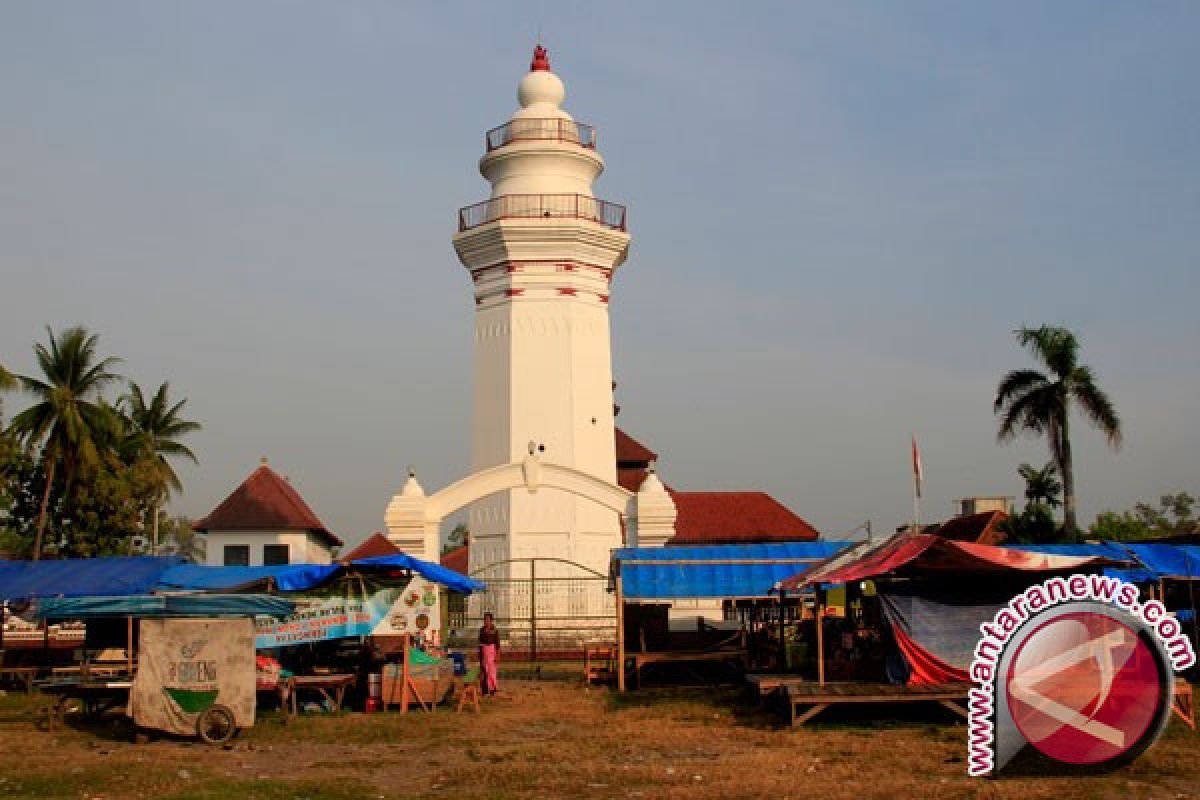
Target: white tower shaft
541 253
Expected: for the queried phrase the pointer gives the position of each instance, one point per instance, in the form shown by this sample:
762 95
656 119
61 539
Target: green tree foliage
1034 525
154 432
1041 485
67 415
456 538
1174 515
178 538
80 475
1041 403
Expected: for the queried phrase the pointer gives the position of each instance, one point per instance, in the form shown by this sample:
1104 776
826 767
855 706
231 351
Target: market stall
739 577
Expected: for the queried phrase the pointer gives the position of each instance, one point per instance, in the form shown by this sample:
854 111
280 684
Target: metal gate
545 608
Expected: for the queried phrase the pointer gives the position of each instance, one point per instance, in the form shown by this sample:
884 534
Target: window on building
237 555
275 554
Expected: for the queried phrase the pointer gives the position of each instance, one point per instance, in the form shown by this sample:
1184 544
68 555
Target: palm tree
155 430
1041 485
8 381
1041 403
67 415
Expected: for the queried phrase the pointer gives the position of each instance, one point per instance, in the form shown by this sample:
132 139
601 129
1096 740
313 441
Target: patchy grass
554 739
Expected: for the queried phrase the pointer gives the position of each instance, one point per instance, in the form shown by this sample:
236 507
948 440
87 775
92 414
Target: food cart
190 665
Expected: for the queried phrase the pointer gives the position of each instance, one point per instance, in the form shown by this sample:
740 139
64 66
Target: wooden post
820 638
404 674
129 644
620 633
782 665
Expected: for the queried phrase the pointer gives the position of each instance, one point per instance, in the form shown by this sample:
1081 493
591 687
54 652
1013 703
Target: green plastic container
192 701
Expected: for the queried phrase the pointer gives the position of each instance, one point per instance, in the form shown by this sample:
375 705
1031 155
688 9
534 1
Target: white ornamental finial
541 90
411 487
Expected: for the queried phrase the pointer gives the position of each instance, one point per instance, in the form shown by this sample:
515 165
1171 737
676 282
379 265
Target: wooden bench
807 700
25 676
640 660
1182 703
331 687
599 664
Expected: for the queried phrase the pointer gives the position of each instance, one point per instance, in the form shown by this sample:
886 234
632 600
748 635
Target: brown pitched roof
981 528
631 452
631 478
457 559
374 545
736 518
265 501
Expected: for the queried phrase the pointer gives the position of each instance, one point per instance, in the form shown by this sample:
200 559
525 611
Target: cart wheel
216 725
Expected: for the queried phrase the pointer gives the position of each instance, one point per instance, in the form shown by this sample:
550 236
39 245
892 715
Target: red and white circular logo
1085 688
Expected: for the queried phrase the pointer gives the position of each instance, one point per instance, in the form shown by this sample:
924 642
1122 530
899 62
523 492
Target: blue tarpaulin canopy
187 605
452 580
1168 560
82 577
143 575
299 577
1149 561
286 577
728 571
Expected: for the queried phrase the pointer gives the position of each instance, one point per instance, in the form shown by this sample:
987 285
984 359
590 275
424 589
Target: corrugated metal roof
747 570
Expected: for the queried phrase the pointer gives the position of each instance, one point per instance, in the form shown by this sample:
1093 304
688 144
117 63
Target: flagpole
916 509
917 477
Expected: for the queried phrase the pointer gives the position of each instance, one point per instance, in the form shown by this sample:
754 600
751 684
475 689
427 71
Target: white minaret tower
541 253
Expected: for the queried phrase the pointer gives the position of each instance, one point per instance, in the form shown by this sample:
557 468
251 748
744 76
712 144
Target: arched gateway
414 519
541 602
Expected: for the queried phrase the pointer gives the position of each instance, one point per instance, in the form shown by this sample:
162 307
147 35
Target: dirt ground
553 739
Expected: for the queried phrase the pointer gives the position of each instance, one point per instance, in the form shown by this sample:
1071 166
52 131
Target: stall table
807 699
331 687
22 675
96 697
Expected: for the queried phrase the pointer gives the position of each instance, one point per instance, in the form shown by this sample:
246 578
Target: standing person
489 653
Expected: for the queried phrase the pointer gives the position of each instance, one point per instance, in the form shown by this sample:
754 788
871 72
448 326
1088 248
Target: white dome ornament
541 92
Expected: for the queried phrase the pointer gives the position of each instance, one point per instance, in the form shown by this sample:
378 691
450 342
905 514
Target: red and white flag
918 473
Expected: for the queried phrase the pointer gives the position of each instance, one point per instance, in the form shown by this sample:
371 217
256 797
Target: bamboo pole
404 643
129 644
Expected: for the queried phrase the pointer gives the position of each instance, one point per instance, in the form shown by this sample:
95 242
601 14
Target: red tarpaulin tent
936 591
923 554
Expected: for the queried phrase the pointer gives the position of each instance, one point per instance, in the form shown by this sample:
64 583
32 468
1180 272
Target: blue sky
839 213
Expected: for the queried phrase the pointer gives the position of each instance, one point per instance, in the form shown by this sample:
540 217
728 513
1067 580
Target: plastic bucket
460 663
375 685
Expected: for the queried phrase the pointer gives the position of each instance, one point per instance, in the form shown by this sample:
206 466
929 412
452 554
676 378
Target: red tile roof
631 477
374 545
456 559
631 452
981 528
267 502
736 518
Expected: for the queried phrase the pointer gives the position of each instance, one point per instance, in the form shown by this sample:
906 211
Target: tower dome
541 92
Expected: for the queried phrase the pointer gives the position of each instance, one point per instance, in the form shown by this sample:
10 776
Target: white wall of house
303 546
684 611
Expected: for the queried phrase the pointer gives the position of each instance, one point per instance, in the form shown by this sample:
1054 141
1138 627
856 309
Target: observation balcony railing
549 206
560 130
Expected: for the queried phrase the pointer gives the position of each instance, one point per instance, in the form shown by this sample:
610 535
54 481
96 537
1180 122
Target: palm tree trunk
154 535
1068 472
41 525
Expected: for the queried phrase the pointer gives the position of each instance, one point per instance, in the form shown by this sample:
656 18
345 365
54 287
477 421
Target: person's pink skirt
488 655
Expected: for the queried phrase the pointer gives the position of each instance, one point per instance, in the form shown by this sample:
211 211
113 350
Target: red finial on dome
541 60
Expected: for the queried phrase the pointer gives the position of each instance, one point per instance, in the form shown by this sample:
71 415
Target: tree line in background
1041 403
81 473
